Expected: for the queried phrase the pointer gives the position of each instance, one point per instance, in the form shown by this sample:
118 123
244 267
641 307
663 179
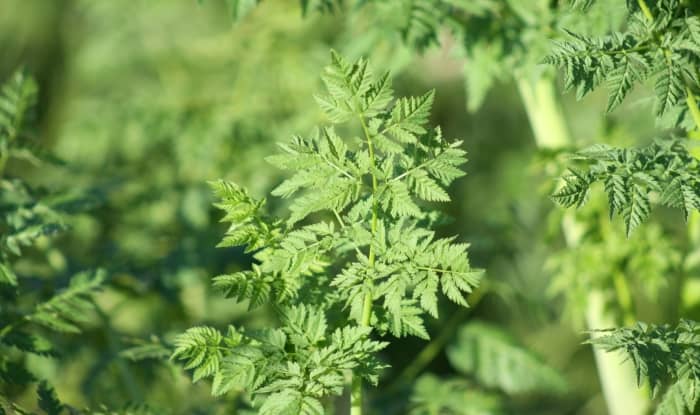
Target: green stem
550 129
693 108
544 113
356 398
645 9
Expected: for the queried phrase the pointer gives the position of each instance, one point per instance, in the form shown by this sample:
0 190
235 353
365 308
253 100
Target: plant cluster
33 309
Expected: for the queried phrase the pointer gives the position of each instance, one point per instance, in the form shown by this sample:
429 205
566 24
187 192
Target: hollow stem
550 129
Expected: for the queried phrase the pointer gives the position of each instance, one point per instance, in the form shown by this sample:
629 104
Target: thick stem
356 398
645 9
544 113
550 129
690 287
622 395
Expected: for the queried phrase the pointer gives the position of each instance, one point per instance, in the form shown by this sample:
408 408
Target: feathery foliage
661 42
357 239
630 176
30 309
662 355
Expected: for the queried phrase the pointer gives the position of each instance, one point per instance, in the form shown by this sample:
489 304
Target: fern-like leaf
68 308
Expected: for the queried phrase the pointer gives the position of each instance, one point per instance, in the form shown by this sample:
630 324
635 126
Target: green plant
662 354
34 306
662 41
631 176
356 254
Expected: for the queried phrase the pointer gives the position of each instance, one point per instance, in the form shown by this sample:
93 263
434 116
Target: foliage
629 270
144 115
376 258
33 308
630 176
660 42
290 369
662 354
451 397
482 351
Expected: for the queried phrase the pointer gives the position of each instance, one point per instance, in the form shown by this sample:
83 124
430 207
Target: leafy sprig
662 355
357 238
630 178
30 312
660 43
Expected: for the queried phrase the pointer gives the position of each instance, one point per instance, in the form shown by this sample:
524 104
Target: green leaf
201 348
408 117
64 311
48 400
7 276
668 87
488 354
575 190
637 210
17 99
620 82
248 225
680 398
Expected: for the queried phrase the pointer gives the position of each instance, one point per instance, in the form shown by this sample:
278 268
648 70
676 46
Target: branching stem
356 400
693 108
690 97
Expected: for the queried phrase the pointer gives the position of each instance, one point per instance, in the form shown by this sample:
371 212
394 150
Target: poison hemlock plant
355 260
662 41
31 310
662 354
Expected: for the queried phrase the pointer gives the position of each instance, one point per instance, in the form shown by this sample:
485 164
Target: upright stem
550 129
645 9
693 107
690 292
356 399
545 113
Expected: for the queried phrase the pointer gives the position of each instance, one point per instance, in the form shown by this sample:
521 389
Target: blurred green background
145 101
